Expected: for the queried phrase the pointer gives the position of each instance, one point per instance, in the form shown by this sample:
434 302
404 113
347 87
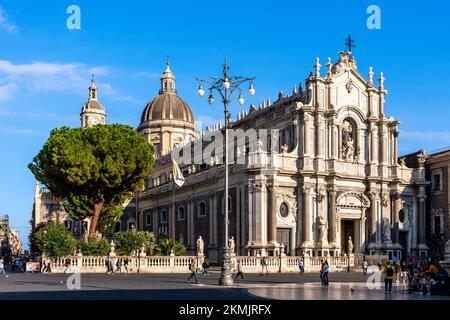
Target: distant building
438 172
9 238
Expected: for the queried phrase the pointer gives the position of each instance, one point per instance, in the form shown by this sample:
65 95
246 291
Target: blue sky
45 68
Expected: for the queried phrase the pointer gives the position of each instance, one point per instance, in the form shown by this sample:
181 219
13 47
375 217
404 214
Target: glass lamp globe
210 99
200 91
226 84
241 100
251 90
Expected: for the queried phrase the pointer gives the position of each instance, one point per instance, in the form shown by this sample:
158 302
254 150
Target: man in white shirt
2 267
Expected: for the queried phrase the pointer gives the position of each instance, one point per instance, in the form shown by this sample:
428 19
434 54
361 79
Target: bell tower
93 111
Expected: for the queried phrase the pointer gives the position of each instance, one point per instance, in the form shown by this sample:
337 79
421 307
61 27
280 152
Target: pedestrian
388 272
67 264
325 271
239 268
193 268
125 264
264 266
49 265
365 266
205 267
2 267
119 265
108 265
301 266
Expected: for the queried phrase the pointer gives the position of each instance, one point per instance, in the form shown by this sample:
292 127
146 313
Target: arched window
163 216
202 209
181 213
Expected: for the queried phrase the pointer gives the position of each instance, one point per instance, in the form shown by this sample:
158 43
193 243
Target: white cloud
411 141
38 115
41 77
7 90
6 25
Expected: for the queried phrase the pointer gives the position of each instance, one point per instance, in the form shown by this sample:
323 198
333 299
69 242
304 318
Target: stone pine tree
93 169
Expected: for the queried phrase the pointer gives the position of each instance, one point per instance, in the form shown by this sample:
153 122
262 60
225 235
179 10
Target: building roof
167 106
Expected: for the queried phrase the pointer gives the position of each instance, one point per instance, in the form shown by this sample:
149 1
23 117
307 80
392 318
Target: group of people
431 278
421 279
194 268
114 265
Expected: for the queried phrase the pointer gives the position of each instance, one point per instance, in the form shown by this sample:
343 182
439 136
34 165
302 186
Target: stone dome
167 106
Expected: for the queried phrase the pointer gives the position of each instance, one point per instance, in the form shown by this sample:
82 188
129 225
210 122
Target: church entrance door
284 237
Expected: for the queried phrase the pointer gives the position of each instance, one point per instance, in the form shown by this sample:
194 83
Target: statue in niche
387 231
323 229
348 145
350 245
231 245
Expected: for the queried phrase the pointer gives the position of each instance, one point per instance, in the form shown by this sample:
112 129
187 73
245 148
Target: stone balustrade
180 264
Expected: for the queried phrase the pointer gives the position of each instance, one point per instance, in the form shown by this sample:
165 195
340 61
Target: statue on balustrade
231 245
200 246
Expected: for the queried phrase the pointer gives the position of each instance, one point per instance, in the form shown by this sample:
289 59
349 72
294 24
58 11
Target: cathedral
331 185
327 181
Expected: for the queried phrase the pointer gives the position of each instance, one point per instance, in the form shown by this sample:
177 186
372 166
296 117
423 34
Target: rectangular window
436 182
437 225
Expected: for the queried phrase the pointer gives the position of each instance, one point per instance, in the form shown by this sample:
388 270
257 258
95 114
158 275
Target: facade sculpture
200 246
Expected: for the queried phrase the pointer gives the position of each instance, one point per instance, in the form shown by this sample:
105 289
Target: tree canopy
94 169
53 240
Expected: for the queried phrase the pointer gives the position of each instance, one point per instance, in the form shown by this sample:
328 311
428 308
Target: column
395 147
421 218
306 214
319 138
396 197
238 220
189 217
191 209
272 214
306 135
333 140
215 218
373 153
382 144
211 219
332 214
373 216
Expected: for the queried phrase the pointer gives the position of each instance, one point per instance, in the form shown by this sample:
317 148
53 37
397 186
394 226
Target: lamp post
225 85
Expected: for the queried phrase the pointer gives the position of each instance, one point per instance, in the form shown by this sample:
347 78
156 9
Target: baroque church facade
329 184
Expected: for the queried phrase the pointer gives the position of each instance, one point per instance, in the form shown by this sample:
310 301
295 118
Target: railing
180 264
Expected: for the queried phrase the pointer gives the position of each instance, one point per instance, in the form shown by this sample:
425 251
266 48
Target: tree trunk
94 220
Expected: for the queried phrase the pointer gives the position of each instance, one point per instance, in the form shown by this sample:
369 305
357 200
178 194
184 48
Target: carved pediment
353 200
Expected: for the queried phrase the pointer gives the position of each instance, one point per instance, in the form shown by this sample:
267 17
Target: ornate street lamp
225 85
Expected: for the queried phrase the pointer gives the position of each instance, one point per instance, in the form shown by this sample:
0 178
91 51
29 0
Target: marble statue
386 231
323 229
350 245
200 246
231 245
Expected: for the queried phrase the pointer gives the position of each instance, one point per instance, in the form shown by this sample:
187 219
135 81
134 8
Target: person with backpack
324 275
388 272
193 268
264 266
365 266
205 267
